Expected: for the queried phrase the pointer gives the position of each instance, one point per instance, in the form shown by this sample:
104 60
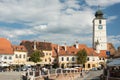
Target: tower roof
99 14
5 46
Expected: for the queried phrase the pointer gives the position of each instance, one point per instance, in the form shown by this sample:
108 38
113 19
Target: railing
54 73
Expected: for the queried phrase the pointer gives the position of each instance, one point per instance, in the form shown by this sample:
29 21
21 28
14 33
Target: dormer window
16 48
22 48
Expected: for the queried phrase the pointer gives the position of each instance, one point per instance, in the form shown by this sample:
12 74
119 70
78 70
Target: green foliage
81 56
36 56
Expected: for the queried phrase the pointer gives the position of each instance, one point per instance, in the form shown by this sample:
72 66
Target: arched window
24 56
88 65
62 58
83 65
100 21
88 59
45 60
5 57
16 56
73 59
67 58
10 57
20 56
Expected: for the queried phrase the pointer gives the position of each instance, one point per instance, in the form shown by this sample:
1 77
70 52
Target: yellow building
20 55
45 47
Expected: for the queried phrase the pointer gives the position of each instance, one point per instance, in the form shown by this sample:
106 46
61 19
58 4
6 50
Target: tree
36 56
81 56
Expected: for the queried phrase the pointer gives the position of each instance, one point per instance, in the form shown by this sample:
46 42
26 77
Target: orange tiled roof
72 50
5 46
102 53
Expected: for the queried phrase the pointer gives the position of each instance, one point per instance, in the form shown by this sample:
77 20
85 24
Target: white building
6 52
99 32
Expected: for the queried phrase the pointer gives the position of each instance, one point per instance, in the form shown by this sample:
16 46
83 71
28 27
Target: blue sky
57 21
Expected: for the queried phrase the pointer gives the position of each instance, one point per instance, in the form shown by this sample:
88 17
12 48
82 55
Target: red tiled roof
29 45
72 50
54 50
5 46
19 48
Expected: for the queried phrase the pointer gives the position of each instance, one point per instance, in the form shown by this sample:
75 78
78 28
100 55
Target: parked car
94 69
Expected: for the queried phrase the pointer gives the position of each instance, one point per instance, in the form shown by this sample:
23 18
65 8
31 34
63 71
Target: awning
4 65
114 62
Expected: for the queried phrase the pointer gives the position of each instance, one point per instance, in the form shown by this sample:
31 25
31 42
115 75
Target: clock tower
99 32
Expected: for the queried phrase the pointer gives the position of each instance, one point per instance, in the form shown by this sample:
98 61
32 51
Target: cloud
111 18
52 20
114 39
102 2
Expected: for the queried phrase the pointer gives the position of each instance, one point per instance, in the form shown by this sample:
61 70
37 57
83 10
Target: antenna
99 7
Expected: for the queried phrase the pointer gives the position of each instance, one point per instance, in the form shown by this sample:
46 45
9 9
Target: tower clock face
100 27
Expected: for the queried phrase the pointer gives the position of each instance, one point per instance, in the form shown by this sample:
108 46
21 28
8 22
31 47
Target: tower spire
98 7
99 13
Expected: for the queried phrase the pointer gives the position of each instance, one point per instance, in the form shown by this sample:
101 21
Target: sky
57 21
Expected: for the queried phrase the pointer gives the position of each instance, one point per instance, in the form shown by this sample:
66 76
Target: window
100 21
16 56
88 65
20 56
10 57
45 60
49 59
62 58
88 59
67 58
24 56
5 57
73 59
103 59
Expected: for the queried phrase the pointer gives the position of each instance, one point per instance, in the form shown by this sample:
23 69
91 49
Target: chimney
65 47
58 48
35 45
77 45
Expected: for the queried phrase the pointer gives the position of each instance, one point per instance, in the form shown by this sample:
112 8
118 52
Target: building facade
20 55
45 47
99 32
6 52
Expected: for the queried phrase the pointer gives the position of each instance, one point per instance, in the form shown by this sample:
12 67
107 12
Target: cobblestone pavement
92 75
10 75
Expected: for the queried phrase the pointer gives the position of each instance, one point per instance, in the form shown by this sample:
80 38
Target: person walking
81 74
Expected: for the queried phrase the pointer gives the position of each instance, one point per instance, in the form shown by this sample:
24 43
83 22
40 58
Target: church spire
99 14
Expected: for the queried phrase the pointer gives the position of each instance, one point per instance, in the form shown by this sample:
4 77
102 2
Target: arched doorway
102 65
62 65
